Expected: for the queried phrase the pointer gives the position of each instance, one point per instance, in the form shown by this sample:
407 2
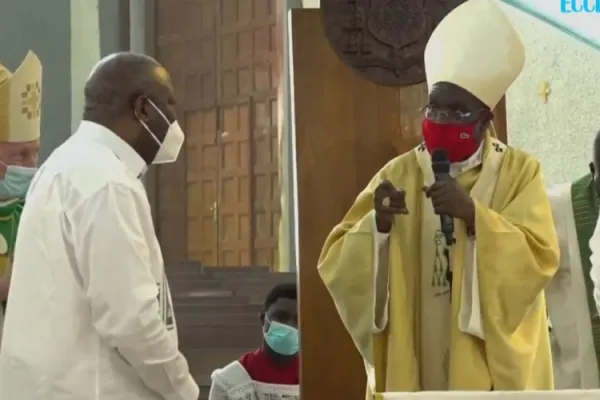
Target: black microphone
440 163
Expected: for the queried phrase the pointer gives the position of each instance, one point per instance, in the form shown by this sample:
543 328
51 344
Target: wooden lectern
346 129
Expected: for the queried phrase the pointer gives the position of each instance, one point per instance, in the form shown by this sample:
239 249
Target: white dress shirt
90 314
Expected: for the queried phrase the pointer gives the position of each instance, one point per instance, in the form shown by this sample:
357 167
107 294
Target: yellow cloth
518 254
21 101
435 318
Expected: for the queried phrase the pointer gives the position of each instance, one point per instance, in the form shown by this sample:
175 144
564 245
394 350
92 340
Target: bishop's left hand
449 198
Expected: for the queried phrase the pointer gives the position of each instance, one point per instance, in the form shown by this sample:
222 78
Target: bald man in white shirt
90 313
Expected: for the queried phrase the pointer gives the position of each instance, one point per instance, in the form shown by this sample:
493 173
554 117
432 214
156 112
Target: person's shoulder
11 208
559 191
559 197
230 376
520 165
517 158
78 172
88 167
246 359
17 202
397 166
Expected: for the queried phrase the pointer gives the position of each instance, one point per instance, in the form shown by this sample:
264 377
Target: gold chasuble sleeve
370 294
347 267
517 255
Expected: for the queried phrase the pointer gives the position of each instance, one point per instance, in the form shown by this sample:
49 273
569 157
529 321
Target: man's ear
140 107
483 125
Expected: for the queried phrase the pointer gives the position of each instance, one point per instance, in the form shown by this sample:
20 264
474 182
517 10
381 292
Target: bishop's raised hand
388 201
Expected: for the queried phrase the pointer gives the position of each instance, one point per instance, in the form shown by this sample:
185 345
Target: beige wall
559 133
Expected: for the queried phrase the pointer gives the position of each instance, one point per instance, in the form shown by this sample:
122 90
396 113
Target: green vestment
585 214
10 215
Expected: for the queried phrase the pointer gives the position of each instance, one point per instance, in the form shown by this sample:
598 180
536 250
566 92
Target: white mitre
475 47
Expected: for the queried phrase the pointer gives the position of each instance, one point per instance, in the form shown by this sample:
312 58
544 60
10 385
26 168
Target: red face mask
457 139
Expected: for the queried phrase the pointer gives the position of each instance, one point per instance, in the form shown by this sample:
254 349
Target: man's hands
449 198
446 196
388 202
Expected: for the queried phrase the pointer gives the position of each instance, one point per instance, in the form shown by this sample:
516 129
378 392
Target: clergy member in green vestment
575 333
20 112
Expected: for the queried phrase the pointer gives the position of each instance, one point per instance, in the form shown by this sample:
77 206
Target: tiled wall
560 132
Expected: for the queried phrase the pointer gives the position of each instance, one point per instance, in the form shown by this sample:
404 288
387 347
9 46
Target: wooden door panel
247 68
220 54
186 46
234 186
266 196
202 172
171 215
247 59
172 212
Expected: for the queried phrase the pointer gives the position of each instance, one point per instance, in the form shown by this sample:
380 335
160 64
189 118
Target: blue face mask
282 339
16 182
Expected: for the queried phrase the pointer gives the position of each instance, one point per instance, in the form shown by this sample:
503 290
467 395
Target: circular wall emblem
384 40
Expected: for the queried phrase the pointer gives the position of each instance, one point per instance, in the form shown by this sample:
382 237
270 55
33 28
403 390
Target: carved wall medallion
384 40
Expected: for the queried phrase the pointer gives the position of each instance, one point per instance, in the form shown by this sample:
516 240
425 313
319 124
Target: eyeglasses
446 115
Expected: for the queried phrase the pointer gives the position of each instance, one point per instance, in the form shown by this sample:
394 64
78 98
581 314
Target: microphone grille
440 163
440 156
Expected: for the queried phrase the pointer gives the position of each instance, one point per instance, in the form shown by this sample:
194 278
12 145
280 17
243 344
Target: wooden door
203 156
266 198
186 46
248 204
221 53
234 185
247 65
247 56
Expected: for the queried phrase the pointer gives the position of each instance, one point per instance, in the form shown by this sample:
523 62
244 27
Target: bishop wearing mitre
425 313
20 119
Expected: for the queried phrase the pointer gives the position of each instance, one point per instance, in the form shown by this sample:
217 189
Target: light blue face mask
282 339
16 181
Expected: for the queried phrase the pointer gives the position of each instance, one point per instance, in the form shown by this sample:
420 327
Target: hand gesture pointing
388 202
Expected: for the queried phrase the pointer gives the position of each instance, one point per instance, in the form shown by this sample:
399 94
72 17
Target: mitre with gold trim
21 101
